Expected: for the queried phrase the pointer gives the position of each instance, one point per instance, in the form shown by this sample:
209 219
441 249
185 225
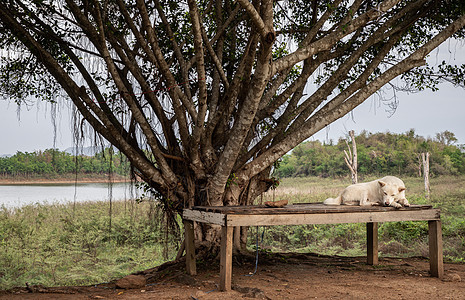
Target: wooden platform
310 213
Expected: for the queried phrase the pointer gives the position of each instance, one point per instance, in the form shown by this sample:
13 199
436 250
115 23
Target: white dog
388 191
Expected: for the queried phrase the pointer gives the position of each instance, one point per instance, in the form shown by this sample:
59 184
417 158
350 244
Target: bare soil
279 276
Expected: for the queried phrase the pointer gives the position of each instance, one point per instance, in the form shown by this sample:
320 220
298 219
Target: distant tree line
55 162
378 154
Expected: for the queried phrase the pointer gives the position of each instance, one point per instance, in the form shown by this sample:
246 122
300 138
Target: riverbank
64 179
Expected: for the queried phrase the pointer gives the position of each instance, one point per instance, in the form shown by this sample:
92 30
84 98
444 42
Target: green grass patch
65 245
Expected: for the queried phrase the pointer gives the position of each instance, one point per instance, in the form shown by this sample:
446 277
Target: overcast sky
427 112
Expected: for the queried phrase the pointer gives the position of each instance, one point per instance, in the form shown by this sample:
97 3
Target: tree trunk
351 158
425 159
208 236
420 164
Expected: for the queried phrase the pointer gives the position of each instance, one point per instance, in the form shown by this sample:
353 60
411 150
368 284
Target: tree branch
202 99
331 39
329 113
265 32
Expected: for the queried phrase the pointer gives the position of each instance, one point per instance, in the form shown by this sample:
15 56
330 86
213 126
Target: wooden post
372 243
236 239
435 249
226 258
191 267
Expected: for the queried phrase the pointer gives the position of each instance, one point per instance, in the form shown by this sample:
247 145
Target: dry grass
306 189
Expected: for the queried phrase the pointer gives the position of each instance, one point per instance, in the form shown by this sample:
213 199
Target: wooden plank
191 267
332 218
302 209
226 258
203 217
372 243
435 248
228 217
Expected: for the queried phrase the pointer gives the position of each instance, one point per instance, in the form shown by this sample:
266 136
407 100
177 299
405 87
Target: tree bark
351 158
425 160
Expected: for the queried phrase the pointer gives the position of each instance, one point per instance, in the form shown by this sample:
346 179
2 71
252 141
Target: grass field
61 245
65 245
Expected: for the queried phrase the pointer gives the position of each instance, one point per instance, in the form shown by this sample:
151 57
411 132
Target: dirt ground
280 276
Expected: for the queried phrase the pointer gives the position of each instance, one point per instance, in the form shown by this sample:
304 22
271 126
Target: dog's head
390 192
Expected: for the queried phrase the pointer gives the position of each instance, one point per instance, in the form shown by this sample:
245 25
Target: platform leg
372 243
435 249
191 267
226 258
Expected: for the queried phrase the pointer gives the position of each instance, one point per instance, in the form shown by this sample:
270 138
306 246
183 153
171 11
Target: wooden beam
226 258
203 217
191 267
372 243
332 218
435 248
303 208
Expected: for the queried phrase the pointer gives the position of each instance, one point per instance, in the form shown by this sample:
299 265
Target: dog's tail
333 201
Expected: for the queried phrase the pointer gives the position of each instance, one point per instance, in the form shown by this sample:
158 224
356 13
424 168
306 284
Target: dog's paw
407 204
396 205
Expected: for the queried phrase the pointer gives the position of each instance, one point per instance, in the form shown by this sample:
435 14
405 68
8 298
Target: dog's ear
401 189
382 183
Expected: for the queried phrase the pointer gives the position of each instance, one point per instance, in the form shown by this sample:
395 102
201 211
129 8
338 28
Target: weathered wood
331 218
203 217
226 258
435 248
315 213
302 208
236 239
372 243
191 267
351 158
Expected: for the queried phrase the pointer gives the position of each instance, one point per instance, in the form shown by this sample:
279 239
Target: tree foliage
202 94
379 154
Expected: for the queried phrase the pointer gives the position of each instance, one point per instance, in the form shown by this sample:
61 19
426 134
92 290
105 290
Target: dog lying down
387 191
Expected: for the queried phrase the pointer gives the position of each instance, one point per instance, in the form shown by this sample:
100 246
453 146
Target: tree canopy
203 97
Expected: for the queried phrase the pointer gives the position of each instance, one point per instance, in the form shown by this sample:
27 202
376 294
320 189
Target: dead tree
425 160
420 164
351 157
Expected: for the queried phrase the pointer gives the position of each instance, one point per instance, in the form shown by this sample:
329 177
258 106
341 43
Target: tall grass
395 238
61 245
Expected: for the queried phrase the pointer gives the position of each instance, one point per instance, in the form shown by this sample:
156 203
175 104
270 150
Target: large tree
204 97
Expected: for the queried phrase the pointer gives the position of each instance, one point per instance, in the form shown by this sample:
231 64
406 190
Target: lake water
12 196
